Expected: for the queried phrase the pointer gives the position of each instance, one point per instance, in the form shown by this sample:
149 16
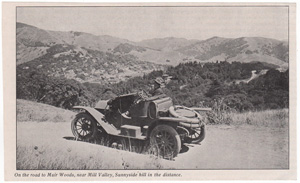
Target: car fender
99 117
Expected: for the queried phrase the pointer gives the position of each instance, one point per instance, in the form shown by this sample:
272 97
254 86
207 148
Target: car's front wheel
166 140
84 127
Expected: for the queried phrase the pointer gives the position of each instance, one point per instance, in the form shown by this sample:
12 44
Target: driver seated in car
143 95
157 87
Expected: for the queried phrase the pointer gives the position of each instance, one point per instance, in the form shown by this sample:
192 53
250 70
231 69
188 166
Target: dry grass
97 158
267 118
54 152
33 111
223 114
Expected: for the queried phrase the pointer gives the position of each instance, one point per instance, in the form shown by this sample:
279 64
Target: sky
140 23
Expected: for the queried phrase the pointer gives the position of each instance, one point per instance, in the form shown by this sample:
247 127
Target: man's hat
165 75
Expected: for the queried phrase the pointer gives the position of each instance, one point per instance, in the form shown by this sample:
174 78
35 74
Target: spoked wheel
166 140
196 135
84 127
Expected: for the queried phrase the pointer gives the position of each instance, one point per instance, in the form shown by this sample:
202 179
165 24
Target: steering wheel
142 95
146 93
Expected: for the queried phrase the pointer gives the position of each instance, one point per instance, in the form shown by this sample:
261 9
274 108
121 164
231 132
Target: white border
86 1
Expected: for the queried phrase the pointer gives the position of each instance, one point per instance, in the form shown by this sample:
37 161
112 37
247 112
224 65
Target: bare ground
44 146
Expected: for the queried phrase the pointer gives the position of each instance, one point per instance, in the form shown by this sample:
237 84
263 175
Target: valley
105 59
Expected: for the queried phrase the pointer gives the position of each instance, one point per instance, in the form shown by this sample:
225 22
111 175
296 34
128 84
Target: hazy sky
138 23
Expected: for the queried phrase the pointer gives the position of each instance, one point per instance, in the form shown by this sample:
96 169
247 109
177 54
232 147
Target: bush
220 113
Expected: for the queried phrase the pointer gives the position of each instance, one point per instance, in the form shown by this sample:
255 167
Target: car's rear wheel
166 140
84 127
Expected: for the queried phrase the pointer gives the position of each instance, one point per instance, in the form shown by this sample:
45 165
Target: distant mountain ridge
235 49
166 44
35 44
76 55
30 36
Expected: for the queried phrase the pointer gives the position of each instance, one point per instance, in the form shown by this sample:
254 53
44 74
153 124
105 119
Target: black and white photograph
153 87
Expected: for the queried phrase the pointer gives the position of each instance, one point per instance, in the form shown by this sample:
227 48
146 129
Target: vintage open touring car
136 121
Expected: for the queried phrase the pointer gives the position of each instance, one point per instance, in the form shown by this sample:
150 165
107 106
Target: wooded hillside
193 84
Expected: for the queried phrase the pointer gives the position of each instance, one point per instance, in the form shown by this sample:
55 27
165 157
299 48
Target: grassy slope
44 145
33 111
268 118
40 144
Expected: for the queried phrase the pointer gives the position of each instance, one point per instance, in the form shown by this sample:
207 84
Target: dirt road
225 147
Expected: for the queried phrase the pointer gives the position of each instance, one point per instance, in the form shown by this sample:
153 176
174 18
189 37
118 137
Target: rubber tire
200 138
175 136
93 125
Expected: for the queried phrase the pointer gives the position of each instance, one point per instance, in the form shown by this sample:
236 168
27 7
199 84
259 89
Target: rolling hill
167 44
37 39
86 65
80 56
105 59
244 49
